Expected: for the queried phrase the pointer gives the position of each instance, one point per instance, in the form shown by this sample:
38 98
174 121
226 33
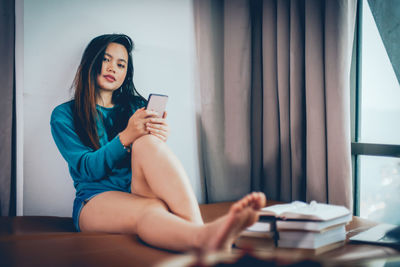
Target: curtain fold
209 38
316 164
283 89
7 88
339 36
297 100
271 124
237 85
256 96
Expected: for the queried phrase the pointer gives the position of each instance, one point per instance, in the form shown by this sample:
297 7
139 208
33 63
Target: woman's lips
109 78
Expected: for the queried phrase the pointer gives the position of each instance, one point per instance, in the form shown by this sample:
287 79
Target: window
376 129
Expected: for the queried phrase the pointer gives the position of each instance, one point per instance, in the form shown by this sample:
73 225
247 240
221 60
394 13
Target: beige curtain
274 79
7 89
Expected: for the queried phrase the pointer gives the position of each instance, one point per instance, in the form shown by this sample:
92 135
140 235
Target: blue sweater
105 169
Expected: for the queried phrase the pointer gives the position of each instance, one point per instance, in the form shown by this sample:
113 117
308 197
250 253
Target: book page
301 210
277 210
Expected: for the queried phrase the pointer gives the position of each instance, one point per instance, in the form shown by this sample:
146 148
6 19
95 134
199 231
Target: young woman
127 180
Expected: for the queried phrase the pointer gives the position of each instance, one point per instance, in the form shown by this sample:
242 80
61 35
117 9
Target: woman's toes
255 200
236 207
246 201
258 200
263 199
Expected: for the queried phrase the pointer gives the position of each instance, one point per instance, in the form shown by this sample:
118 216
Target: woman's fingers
157 120
148 122
158 128
161 137
137 125
157 123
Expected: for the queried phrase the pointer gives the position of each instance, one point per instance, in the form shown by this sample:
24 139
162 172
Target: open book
298 210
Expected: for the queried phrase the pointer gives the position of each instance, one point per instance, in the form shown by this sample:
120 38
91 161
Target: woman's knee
146 143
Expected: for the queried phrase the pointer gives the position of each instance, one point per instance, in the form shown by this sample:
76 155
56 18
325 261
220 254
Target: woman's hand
137 126
159 127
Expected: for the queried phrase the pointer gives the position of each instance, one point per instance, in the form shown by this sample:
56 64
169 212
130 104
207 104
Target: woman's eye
121 66
106 59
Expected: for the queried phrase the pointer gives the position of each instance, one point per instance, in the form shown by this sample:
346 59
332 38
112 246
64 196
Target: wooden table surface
50 241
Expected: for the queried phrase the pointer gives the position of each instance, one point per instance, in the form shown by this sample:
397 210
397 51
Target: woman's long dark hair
126 98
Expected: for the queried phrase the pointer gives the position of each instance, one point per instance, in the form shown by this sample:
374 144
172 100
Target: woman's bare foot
220 234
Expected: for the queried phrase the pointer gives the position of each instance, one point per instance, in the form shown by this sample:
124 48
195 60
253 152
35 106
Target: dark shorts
79 202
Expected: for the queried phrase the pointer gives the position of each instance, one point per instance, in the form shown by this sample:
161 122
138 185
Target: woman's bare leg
119 212
157 172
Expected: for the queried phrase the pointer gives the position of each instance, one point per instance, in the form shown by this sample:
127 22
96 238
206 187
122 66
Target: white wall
55 34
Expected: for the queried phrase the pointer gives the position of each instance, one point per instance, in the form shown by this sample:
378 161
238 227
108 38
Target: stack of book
316 226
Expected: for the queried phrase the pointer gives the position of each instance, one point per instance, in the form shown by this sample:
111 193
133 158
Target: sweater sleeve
90 165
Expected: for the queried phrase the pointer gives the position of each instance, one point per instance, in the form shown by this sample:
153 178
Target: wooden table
51 241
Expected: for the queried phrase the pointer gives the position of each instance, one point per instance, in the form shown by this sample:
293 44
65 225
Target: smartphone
157 103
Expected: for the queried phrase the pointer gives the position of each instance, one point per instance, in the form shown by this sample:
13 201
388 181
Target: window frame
359 148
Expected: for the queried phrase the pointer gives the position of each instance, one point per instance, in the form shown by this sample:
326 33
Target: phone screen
157 103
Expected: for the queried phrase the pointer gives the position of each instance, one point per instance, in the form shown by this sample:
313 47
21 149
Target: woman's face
114 67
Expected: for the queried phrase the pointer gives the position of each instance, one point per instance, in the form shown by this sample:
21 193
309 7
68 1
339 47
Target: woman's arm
91 165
